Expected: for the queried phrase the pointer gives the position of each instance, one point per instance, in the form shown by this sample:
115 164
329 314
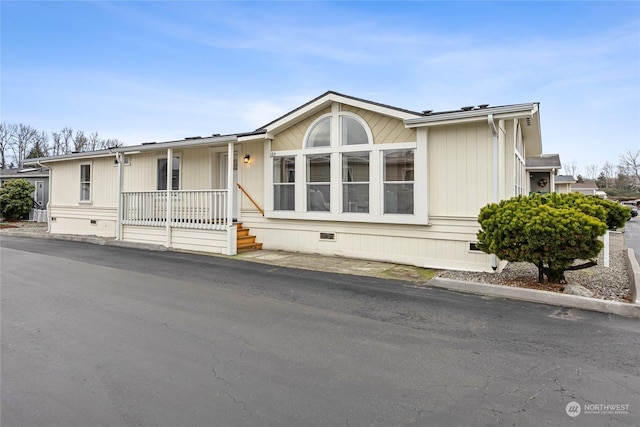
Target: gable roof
329 97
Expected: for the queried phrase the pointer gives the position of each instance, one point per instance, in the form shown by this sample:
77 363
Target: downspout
119 159
494 132
48 201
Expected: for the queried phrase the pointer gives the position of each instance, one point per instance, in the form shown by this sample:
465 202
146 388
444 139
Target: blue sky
157 71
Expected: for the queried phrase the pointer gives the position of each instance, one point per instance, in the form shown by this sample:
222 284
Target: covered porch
186 211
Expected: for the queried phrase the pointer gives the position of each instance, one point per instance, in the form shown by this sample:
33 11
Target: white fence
38 215
201 209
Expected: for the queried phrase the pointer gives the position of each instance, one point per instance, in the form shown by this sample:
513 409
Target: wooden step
249 247
244 241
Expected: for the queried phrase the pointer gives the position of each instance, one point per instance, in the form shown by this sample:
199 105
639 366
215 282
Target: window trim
164 157
419 217
90 182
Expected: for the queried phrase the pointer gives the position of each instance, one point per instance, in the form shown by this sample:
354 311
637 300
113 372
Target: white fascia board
75 156
499 113
255 137
327 100
183 143
134 149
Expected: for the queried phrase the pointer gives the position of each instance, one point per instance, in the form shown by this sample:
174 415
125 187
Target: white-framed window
162 173
341 174
398 176
85 182
318 182
355 181
284 178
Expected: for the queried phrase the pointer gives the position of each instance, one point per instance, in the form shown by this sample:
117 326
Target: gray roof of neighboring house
586 185
565 179
543 161
24 173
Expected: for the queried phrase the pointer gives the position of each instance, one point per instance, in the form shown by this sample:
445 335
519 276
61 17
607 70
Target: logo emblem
573 409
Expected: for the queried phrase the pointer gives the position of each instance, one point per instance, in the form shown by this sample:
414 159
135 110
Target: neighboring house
588 188
39 177
542 172
339 175
564 183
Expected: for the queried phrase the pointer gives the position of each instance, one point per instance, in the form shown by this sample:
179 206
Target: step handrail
250 198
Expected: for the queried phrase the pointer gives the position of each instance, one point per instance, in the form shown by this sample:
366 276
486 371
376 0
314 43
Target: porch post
230 147
231 229
119 159
169 185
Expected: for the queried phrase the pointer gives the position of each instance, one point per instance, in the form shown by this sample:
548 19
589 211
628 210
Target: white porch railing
38 215
200 209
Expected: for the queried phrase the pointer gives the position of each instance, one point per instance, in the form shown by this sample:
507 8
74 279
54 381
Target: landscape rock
579 290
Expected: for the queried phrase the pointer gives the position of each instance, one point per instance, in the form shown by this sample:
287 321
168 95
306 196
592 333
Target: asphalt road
107 336
632 236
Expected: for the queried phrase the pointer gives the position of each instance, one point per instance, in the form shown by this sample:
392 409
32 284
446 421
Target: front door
223 179
39 194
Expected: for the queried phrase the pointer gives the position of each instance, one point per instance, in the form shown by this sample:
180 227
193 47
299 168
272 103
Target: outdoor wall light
247 157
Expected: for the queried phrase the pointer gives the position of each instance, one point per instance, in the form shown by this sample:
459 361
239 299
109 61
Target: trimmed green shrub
551 231
15 199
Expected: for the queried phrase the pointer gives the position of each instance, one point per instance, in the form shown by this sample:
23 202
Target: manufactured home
338 175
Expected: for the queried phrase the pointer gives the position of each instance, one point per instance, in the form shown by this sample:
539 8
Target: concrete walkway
420 277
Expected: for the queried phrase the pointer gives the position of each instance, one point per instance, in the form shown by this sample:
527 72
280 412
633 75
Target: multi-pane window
398 181
175 175
284 178
355 182
343 172
319 182
85 183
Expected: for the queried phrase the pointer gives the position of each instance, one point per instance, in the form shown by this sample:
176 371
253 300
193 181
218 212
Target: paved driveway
110 336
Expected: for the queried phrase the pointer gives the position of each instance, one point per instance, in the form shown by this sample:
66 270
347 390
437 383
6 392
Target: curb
102 241
634 275
541 297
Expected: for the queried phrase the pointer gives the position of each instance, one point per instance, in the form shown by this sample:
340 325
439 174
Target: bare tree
40 146
7 133
571 167
630 163
110 143
592 171
609 170
23 141
80 141
93 143
56 144
67 139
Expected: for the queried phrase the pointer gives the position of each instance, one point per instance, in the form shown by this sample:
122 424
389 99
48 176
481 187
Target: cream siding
460 161
444 244
385 129
78 220
252 175
291 138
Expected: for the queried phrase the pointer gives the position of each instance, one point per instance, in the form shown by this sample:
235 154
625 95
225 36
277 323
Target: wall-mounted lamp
247 157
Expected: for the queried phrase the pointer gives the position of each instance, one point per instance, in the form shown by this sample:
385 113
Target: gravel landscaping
610 283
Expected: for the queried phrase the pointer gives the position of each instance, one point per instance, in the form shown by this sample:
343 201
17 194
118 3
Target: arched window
353 132
320 135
